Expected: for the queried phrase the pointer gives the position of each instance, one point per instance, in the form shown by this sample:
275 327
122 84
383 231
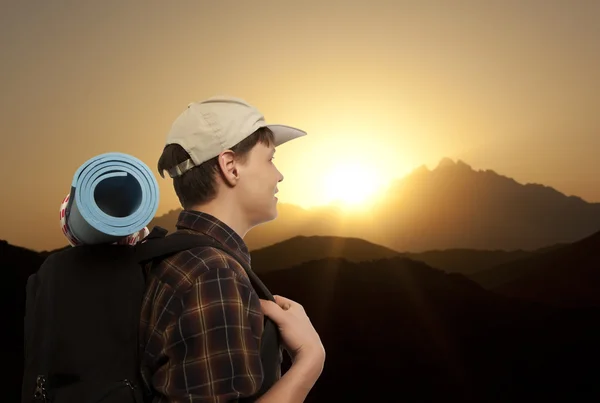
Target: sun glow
350 184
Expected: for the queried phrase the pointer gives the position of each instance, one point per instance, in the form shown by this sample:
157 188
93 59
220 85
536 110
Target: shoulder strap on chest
158 245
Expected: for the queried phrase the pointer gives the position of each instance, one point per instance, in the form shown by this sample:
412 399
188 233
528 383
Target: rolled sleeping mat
113 197
73 241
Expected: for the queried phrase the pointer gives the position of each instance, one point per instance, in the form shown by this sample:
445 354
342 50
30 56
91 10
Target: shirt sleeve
217 340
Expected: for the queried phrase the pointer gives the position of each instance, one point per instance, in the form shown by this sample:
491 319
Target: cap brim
283 134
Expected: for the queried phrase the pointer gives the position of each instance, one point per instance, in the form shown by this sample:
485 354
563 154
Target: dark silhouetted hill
467 261
47 253
470 261
567 276
398 330
450 207
302 249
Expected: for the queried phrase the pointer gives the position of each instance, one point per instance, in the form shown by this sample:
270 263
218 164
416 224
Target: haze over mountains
451 206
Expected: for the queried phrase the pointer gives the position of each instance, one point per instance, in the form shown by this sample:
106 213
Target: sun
350 184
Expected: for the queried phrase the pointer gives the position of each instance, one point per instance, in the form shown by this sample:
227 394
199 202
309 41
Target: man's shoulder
183 269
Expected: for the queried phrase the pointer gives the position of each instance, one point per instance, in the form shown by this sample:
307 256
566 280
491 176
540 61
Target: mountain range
473 320
450 207
399 330
568 276
300 249
386 318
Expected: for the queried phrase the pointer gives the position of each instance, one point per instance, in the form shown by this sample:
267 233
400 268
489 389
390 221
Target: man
202 320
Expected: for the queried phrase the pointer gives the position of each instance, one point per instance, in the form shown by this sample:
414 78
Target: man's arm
304 344
215 343
296 383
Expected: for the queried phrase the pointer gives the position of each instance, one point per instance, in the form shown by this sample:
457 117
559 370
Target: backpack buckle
40 393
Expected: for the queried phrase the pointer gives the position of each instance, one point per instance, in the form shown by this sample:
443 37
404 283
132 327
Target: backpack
82 313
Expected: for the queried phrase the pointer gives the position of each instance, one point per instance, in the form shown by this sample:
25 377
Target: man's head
220 151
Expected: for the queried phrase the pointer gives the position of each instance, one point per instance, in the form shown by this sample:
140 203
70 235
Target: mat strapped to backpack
82 318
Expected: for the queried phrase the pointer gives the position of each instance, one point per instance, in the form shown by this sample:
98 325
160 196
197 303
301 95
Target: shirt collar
210 225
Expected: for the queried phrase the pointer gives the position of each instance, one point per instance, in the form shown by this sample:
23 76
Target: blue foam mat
113 195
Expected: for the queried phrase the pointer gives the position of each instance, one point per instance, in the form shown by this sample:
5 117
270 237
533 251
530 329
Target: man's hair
198 185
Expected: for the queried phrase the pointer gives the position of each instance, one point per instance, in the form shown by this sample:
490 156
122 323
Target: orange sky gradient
383 85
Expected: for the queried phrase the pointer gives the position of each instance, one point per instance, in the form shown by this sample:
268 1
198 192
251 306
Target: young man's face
258 179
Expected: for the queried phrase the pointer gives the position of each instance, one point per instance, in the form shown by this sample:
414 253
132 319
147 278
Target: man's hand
304 345
299 336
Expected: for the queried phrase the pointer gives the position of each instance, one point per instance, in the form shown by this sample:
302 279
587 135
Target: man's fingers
274 310
271 309
283 302
286 303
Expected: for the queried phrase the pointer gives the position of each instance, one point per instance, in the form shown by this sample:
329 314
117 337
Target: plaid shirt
201 321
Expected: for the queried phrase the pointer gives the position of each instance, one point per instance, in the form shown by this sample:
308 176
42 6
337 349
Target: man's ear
228 167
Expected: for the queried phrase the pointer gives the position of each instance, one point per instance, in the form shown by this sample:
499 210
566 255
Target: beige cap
209 127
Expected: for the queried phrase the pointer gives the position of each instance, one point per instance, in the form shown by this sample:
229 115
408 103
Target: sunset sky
381 87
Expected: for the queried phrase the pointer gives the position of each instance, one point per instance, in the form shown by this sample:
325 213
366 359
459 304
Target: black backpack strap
151 251
157 232
156 246
179 241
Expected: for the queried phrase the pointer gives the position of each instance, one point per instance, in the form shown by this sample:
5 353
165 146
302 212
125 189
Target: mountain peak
449 163
445 163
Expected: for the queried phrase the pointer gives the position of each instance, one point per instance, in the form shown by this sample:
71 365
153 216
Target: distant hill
449 207
395 321
437 337
17 264
566 276
470 261
454 206
467 261
301 249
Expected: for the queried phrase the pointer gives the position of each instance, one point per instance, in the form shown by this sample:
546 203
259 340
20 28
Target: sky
381 87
